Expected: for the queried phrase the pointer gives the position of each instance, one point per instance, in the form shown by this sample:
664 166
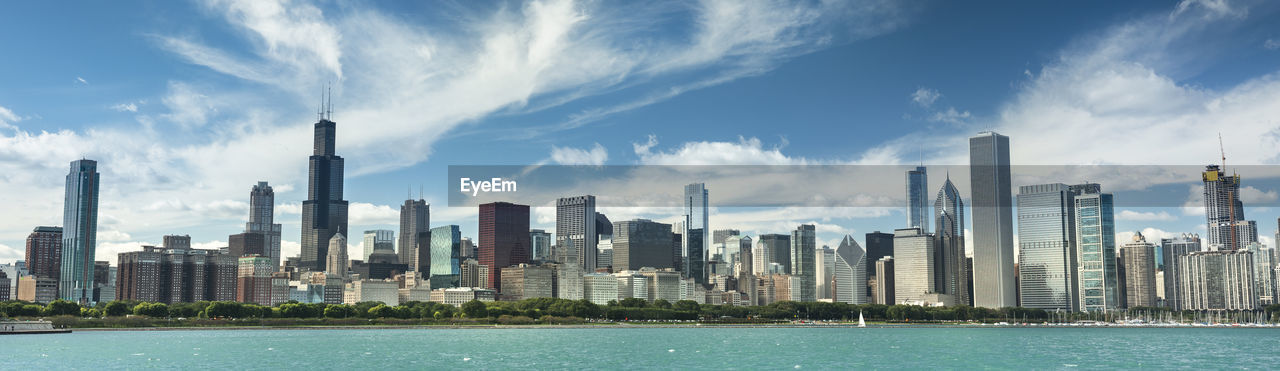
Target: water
650 348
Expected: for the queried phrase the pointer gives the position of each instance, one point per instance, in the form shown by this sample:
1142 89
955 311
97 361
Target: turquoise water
651 348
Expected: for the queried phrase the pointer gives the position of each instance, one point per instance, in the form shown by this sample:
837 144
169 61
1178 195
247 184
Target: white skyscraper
991 189
850 273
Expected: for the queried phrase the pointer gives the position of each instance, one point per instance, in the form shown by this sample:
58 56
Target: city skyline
208 211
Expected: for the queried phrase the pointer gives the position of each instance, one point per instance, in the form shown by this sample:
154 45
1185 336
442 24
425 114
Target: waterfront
648 348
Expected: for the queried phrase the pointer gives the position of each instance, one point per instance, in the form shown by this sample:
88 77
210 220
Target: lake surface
650 348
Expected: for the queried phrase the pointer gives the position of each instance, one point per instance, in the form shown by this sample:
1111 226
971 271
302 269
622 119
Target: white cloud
9 254
746 151
7 117
362 214
1271 44
1253 195
925 97
1144 216
126 107
293 248
187 107
211 245
597 155
950 116
1152 235
81 80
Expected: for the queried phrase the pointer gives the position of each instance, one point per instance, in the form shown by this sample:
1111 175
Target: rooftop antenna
328 114
320 108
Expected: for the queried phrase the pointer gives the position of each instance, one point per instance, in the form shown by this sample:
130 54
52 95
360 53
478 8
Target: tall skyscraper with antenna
324 213
918 198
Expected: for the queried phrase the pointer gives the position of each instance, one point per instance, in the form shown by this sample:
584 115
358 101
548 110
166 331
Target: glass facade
446 251
1095 237
918 199
79 232
1046 247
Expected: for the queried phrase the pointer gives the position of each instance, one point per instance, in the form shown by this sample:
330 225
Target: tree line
560 310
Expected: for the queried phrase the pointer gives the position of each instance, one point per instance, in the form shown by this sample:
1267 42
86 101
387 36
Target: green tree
382 311
62 308
687 305
155 310
662 303
634 303
338 311
475 309
116 308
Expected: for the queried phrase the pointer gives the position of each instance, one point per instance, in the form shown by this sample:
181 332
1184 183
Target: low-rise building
457 296
385 291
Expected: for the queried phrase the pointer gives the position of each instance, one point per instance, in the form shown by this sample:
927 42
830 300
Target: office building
662 284
824 267
248 243
1099 279
7 285
324 212
1222 207
378 267
746 268
1171 249
567 281
1047 247
44 252
849 283
1139 261
504 239
255 282
525 281
718 238
262 204
379 241
948 213
461 295
913 265
600 288
576 226
641 243
446 256
337 260
632 285
762 255
473 274
779 246
415 218
1264 267
540 242
803 249
696 235
37 289
1218 281
884 281
384 291
918 199
175 275
990 189
79 232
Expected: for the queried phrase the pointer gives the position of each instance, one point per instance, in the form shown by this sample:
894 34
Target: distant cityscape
1068 258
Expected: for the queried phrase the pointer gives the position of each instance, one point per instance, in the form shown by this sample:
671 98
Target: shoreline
634 326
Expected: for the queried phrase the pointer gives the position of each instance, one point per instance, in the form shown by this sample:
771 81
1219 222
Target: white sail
861 322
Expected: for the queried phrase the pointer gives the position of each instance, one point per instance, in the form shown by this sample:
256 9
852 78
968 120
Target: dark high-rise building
803 250
247 243
176 275
576 228
324 213
1172 249
262 203
948 213
177 242
504 238
696 235
992 196
641 243
879 245
79 233
780 246
44 252
918 198
415 217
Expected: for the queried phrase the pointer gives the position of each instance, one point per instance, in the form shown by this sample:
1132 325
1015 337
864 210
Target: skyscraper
779 248
990 188
879 245
504 239
1218 280
336 261
1098 280
913 265
446 253
576 226
696 235
746 279
1046 246
262 203
79 232
641 243
884 281
948 213
44 252
1172 249
324 212
1222 207
415 217
918 199
540 241
824 264
1139 272
803 249
379 241
850 274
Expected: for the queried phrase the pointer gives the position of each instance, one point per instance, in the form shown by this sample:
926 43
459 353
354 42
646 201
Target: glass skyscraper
991 190
324 212
1046 247
79 232
446 250
696 237
918 199
1096 251
948 213
803 249
576 227
262 203
415 218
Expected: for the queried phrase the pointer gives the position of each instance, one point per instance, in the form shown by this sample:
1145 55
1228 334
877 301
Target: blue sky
187 104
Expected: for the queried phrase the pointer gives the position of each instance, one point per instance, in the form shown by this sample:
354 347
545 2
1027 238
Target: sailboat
861 322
